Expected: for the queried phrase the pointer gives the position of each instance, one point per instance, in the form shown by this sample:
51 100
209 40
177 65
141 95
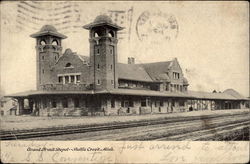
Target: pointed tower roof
48 30
102 20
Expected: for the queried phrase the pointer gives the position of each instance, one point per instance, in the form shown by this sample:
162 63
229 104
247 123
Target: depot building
69 84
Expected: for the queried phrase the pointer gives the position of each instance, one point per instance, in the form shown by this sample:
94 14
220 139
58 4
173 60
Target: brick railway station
69 84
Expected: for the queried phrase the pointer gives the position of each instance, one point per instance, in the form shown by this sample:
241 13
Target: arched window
68 65
96 34
111 34
42 42
54 42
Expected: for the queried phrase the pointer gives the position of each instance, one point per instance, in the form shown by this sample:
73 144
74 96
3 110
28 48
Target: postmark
157 27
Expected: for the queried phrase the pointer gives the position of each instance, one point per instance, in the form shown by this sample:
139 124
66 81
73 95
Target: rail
24 134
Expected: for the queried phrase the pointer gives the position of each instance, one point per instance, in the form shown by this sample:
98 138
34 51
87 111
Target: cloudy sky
209 39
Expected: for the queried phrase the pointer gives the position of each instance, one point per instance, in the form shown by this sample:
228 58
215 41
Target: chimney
131 60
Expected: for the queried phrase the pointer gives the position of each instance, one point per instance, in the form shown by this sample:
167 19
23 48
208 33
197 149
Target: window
72 79
112 103
97 34
167 87
43 42
161 103
45 104
98 66
77 78
43 71
2 104
55 57
42 57
66 79
97 50
65 103
111 66
98 82
68 65
53 103
143 103
76 102
54 43
125 103
131 103
176 75
111 50
181 88
60 79
111 34
181 103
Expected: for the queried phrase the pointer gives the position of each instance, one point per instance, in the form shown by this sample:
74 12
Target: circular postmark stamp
156 27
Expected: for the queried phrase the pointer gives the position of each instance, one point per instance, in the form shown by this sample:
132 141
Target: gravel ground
32 122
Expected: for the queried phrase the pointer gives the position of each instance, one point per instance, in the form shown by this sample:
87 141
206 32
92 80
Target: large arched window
42 42
111 34
55 43
97 33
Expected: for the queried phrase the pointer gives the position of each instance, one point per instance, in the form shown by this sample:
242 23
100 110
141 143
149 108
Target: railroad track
207 132
157 131
25 134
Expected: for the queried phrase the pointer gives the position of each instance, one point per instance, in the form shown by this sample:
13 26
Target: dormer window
69 65
176 75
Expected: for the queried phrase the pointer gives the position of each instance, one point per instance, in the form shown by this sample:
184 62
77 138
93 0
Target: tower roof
48 30
102 20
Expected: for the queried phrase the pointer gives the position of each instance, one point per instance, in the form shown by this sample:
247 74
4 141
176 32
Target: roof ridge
155 62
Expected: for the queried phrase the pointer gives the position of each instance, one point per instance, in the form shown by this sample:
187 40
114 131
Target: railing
64 87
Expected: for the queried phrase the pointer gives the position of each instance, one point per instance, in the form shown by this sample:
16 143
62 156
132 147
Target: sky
209 39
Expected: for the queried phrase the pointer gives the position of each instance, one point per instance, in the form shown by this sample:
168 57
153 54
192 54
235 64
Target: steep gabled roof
132 72
157 71
84 59
235 94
